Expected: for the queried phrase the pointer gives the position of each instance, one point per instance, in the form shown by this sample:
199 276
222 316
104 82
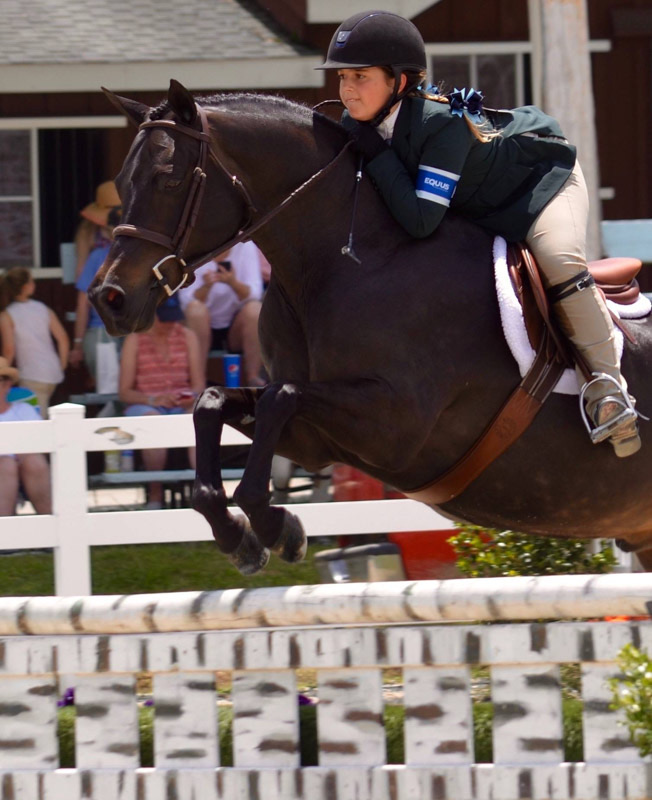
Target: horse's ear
182 102
134 111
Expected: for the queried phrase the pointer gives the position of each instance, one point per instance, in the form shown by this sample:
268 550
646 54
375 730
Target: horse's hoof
291 544
250 556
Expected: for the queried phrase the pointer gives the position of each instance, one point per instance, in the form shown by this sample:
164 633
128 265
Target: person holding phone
223 305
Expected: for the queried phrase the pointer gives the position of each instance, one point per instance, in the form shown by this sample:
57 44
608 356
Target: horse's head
168 211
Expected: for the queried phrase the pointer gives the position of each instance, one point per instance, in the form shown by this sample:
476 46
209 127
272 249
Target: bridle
178 241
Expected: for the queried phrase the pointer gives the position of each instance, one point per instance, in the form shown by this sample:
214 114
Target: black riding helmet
378 39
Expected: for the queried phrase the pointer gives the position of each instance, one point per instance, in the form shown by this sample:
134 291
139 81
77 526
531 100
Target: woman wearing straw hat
31 470
93 230
89 329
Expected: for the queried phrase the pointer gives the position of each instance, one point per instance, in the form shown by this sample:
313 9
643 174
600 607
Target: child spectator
29 469
28 328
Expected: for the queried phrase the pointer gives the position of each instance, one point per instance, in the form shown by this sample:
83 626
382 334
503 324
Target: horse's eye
172 184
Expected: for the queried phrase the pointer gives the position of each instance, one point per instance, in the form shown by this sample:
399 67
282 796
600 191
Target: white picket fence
72 531
259 639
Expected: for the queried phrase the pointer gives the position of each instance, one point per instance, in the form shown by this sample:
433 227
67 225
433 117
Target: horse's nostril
114 299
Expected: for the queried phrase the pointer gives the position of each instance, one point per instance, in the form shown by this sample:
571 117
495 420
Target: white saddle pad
511 315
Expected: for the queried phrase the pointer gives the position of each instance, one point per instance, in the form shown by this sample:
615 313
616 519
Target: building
60 137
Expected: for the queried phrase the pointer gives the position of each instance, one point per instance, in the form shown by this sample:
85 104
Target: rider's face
364 91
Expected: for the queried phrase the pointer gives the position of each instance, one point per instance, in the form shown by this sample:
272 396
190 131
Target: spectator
93 231
28 328
29 469
223 305
161 373
89 328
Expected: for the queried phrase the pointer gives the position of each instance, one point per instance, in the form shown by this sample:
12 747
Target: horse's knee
207 408
278 399
210 400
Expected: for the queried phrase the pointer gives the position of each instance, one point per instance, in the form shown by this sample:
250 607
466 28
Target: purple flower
304 700
68 698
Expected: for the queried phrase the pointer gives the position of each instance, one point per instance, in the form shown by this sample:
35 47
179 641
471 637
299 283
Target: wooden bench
94 399
177 481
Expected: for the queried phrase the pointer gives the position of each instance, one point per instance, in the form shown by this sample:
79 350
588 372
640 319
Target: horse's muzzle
116 312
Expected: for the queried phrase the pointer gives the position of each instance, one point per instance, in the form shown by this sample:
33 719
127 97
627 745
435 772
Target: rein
178 242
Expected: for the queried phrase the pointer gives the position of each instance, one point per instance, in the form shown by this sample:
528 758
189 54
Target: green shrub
632 692
487 553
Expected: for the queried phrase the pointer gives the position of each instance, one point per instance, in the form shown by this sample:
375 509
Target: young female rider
512 172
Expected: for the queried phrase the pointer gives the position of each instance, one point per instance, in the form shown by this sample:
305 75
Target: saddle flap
536 309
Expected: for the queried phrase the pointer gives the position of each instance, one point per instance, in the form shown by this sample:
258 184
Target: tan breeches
557 239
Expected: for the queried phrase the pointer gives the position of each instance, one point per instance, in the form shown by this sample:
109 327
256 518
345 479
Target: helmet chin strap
394 97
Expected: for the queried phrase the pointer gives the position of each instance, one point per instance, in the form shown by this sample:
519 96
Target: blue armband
436 185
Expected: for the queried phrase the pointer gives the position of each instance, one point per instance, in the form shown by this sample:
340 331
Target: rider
512 172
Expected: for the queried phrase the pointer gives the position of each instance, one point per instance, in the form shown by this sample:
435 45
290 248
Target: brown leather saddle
616 278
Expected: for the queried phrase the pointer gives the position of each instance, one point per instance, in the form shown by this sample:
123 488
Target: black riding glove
366 140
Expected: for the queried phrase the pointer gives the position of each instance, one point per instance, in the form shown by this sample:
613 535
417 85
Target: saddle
616 278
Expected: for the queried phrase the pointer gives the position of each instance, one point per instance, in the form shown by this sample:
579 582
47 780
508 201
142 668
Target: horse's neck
308 234
310 231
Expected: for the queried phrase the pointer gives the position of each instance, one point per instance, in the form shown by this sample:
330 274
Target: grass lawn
142 568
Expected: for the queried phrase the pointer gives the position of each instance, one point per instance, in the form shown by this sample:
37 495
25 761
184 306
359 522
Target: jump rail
71 531
403 602
260 667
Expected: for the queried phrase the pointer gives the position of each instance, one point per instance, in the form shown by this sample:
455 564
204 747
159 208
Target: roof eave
280 72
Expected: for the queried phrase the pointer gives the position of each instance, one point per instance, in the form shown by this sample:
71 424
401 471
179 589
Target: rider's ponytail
482 131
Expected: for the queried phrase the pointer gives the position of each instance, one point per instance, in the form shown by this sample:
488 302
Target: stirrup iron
598 433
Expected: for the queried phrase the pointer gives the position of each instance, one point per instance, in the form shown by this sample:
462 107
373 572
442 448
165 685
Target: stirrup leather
599 433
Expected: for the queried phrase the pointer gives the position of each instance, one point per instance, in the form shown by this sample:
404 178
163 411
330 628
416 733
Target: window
16 199
502 71
503 77
49 168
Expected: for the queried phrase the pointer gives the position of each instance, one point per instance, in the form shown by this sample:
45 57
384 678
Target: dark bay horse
393 365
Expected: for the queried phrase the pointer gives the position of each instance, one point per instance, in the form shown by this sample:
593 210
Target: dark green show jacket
435 162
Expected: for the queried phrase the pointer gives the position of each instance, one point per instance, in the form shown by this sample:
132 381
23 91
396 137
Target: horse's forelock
160 111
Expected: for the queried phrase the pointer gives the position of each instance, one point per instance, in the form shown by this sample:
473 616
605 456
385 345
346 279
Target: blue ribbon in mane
466 101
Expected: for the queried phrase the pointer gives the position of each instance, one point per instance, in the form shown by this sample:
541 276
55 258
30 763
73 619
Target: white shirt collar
386 127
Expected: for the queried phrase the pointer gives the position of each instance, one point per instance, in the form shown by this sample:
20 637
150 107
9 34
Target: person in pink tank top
161 372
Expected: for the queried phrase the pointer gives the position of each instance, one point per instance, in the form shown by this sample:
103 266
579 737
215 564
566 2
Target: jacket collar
403 121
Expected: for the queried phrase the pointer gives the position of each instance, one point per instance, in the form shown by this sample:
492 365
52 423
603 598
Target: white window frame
474 49
33 125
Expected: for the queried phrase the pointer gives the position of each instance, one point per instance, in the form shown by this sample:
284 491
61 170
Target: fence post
72 560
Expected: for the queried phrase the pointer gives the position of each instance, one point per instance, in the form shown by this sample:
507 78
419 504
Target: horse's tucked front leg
233 535
276 528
